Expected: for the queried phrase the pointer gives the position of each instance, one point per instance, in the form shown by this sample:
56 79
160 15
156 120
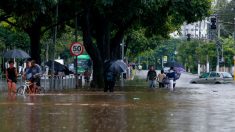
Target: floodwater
191 108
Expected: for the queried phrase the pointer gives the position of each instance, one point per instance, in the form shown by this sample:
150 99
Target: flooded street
191 108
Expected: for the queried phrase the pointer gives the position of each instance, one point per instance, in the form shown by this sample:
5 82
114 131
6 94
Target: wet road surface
191 108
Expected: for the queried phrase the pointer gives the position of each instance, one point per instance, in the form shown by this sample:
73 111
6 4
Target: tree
190 53
136 43
35 17
226 15
11 39
229 51
103 22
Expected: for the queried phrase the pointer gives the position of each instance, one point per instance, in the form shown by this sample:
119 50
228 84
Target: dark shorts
36 80
13 80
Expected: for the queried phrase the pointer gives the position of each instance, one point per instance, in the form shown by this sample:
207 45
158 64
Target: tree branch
4 17
11 23
120 33
56 24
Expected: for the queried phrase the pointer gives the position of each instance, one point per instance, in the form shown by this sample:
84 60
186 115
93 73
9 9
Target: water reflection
200 108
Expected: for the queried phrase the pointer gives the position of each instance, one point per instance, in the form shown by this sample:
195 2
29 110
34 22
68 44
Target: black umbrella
117 66
16 53
57 66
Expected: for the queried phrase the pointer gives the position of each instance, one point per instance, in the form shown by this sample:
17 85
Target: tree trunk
34 33
103 36
93 51
115 44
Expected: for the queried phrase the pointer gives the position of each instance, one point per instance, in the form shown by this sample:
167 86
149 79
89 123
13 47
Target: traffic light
213 23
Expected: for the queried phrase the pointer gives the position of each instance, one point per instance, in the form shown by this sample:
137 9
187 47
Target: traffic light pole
215 25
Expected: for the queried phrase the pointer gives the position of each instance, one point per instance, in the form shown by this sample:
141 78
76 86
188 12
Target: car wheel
194 82
217 82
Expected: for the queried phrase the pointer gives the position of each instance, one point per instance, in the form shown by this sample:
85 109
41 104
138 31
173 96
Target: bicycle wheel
20 90
40 90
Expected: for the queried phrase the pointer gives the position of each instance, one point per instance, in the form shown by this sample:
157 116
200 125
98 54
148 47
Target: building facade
196 30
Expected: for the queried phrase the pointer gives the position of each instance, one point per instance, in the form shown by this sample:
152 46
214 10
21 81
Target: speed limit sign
76 49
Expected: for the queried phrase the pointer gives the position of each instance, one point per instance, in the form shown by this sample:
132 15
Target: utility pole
53 47
215 25
218 48
234 47
199 61
207 56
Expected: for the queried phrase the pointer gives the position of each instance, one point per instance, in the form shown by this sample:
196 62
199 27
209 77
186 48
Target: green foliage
13 39
226 13
62 44
104 22
137 42
190 53
158 17
229 51
25 12
155 55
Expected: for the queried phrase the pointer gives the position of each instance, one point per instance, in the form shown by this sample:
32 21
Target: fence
49 82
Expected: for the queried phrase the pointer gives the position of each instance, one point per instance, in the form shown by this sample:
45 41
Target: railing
58 82
49 82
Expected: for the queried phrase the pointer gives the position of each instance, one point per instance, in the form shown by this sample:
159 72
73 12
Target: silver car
214 78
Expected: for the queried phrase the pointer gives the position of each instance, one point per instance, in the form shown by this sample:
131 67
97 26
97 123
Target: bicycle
26 89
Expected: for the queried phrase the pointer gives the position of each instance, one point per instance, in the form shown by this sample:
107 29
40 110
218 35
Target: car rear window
226 75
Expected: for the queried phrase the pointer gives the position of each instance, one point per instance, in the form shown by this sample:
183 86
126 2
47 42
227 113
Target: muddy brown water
193 108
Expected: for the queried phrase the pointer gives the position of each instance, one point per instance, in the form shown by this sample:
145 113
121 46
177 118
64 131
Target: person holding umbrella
11 76
112 69
110 79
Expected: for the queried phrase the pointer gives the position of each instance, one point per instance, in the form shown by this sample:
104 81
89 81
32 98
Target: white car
214 78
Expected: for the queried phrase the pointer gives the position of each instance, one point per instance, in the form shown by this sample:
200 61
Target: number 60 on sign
76 49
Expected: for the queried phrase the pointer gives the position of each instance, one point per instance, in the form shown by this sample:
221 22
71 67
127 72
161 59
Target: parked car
214 78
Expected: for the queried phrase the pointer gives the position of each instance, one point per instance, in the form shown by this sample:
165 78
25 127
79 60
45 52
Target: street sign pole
76 71
76 58
76 49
